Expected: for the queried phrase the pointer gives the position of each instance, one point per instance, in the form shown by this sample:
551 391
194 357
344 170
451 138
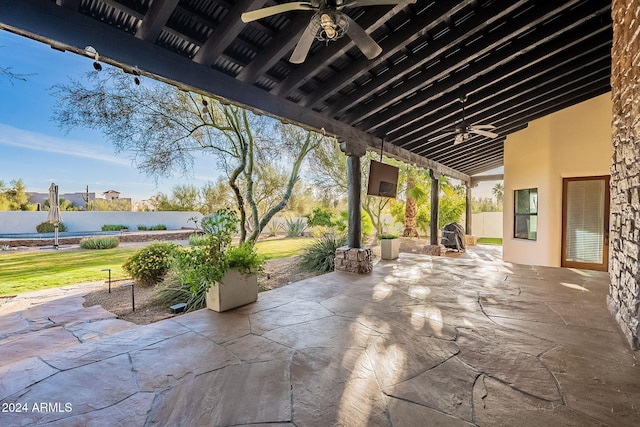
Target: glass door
585 223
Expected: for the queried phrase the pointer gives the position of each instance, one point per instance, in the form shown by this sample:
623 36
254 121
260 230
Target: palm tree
411 207
498 192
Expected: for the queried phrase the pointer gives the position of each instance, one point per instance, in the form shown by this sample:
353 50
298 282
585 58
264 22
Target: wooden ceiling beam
416 30
552 47
155 19
518 121
69 4
225 33
486 166
489 103
496 151
447 46
285 42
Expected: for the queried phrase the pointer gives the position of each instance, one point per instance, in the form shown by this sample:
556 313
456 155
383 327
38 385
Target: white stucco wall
574 142
12 222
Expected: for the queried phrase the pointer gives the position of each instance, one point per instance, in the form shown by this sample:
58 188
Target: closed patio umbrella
54 212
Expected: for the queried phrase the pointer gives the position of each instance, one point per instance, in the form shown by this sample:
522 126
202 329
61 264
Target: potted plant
226 275
239 283
389 246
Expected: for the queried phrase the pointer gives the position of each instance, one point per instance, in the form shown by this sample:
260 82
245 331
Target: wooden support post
354 183
435 197
355 216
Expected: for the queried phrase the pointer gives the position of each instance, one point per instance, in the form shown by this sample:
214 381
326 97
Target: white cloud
21 138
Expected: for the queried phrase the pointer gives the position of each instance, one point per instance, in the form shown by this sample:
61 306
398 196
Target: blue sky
34 149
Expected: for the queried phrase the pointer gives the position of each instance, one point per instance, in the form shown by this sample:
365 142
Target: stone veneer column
624 293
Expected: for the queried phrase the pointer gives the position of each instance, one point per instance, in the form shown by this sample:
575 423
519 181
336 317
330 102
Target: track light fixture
205 110
93 53
136 73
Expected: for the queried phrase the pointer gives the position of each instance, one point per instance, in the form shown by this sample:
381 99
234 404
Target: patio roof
515 61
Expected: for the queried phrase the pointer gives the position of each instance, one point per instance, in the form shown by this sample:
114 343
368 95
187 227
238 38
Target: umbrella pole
55 236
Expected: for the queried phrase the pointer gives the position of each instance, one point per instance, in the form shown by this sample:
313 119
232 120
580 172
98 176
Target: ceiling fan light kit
329 25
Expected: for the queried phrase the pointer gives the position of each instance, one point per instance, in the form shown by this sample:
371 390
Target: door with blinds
585 223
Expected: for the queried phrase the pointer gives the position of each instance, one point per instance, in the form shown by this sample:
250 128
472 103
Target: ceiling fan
464 131
328 23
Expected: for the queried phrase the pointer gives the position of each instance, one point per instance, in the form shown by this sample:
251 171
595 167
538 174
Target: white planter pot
234 290
389 248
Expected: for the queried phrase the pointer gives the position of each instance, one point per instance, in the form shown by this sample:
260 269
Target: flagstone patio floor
449 341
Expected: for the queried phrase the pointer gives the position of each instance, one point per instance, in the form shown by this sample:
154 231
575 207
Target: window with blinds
585 211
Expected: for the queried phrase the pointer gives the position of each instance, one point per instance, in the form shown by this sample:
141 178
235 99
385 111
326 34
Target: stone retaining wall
624 293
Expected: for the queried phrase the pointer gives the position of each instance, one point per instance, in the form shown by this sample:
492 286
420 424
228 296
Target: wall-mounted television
383 180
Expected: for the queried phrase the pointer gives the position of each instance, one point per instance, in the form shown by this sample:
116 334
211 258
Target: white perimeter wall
487 224
574 142
26 221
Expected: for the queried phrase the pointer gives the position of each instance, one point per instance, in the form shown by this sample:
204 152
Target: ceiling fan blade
366 44
274 10
483 127
358 3
302 48
484 133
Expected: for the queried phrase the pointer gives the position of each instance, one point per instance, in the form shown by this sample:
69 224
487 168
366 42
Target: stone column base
434 250
470 240
353 260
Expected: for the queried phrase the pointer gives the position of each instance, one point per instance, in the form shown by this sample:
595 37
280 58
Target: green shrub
320 255
202 265
159 227
320 217
295 228
47 227
245 259
199 267
198 239
101 242
343 222
114 227
149 264
142 228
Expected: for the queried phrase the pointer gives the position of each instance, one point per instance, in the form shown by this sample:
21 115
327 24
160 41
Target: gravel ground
277 273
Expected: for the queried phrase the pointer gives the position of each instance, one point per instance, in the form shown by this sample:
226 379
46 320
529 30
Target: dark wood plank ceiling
515 61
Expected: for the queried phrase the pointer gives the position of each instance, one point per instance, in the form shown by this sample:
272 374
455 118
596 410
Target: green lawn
490 240
31 271
283 248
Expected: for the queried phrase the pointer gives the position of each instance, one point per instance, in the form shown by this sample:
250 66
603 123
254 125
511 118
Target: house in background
111 194
80 198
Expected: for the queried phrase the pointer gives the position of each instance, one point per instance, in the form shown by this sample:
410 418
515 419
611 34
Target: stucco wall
12 222
570 143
